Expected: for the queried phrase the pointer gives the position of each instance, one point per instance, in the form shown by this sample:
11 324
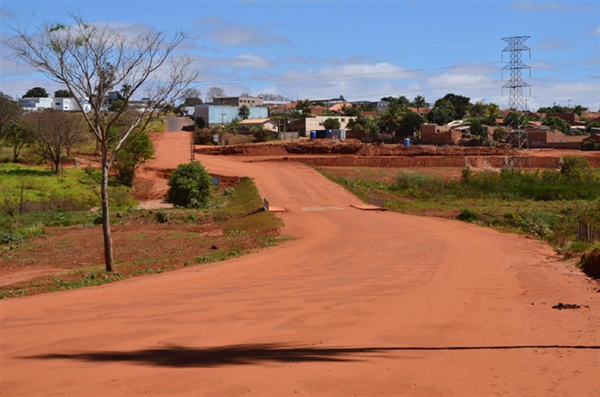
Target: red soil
360 303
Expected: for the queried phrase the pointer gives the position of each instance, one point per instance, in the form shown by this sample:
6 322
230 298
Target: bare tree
91 59
56 132
214 92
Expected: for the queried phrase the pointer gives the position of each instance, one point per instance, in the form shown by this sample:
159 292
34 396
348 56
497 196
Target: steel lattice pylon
518 141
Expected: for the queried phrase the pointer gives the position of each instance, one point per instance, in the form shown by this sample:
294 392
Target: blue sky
361 50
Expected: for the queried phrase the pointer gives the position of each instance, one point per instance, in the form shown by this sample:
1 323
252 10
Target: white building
30 104
61 104
70 104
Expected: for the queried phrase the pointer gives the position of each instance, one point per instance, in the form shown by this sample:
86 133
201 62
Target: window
343 120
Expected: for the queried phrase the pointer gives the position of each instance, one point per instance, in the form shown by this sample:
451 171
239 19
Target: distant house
572 118
214 115
306 125
433 134
29 104
70 104
61 104
266 124
237 101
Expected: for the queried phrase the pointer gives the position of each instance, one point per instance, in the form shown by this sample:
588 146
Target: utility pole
222 130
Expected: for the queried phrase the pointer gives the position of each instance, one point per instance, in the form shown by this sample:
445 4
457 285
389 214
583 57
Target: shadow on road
178 356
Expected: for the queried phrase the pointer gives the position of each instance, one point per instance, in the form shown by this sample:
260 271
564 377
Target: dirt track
360 303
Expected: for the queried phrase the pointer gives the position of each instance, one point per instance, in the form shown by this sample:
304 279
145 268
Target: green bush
162 217
577 169
190 186
468 215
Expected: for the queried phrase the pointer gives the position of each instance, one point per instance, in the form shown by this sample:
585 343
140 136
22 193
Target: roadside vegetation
547 204
68 241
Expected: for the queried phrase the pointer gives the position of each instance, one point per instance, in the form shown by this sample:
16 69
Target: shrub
577 169
189 186
468 215
162 217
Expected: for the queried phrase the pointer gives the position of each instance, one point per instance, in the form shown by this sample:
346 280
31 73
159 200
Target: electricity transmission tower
518 140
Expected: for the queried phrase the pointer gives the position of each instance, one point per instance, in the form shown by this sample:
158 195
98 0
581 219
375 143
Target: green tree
516 120
578 109
9 111
461 104
492 113
442 112
411 123
137 152
36 92
16 136
577 169
368 107
403 101
499 134
125 90
589 126
390 120
243 112
478 109
189 186
350 111
558 124
477 129
304 106
62 94
99 57
332 124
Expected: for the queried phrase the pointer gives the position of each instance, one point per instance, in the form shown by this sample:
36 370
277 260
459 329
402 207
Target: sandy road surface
360 303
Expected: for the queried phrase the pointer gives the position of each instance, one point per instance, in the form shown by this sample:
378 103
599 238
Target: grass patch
145 241
546 204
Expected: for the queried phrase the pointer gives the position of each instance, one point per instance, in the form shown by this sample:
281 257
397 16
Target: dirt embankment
348 146
351 152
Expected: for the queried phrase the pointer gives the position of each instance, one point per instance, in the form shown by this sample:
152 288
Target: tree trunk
108 251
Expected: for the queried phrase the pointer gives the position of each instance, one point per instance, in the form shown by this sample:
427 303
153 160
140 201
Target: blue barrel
313 135
407 142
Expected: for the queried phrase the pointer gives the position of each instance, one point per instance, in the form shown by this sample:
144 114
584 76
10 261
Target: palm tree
419 102
493 112
390 119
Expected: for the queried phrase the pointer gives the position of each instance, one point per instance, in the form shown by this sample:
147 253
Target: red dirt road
360 303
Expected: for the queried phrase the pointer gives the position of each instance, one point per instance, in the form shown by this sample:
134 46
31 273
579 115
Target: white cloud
241 35
553 44
5 13
209 20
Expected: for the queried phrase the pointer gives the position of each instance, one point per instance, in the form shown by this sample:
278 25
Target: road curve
358 303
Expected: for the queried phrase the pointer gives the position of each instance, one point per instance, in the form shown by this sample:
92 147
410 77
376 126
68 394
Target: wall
316 123
211 114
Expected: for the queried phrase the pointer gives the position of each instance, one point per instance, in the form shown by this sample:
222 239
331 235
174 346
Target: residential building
29 104
237 101
306 125
265 124
214 115
70 104
433 134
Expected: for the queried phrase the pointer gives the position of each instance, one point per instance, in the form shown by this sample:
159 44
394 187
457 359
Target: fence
586 233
